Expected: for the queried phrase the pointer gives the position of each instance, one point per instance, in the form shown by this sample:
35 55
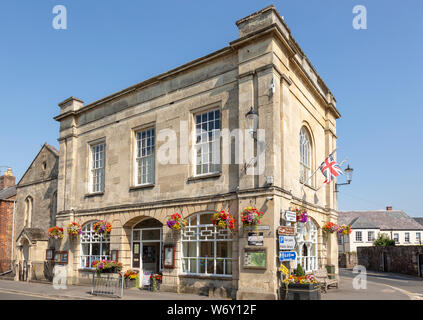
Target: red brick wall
6 217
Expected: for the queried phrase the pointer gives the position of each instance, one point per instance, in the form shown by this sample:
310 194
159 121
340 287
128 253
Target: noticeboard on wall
61 257
255 258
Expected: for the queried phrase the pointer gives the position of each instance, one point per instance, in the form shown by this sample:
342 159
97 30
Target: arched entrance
147 242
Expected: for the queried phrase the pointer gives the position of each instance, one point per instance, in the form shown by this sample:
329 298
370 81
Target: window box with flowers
74 230
250 217
176 222
102 227
107 266
300 287
223 220
55 233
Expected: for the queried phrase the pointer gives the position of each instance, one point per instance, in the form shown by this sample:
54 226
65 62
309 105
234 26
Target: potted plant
74 229
131 278
107 266
176 222
345 230
102 227
55 233
155 280
250 216
300 287
330 227
223 220
302 215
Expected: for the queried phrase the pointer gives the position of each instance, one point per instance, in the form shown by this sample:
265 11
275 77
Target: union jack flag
330 169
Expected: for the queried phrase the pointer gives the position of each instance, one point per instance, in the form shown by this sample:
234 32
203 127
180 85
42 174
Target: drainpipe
13 235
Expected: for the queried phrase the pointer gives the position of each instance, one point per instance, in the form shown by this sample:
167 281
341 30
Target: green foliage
383 240
300 271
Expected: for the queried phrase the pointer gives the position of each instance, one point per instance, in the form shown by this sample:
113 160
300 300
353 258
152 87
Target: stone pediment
32 235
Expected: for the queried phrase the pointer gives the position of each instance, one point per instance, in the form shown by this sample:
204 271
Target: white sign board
287 242
290 216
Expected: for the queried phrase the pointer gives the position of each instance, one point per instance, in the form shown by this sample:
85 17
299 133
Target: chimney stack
388 208
7 180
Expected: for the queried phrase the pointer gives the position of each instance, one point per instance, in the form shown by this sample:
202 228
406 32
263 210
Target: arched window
206 250
307 245
305 156
29 204
94 246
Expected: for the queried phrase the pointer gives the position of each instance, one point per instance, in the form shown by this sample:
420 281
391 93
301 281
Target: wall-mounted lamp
348 174
252 118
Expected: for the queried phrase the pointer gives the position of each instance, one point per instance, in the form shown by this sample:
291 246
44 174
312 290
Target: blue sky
375 74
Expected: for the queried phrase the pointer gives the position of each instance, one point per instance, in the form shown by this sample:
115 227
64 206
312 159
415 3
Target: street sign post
287 255
287 242
290 216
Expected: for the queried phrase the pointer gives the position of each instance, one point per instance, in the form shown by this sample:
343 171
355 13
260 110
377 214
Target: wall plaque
255 239
255 258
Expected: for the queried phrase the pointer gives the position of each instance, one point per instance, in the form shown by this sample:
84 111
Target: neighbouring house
367 225
116 164
36 203
7 211
419 220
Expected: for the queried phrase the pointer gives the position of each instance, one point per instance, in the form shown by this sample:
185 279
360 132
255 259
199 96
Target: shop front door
421 265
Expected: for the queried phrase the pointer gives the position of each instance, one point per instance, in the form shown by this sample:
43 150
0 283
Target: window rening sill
206 276
205 176
142 186
94 194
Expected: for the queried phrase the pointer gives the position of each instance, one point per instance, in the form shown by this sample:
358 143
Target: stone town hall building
109 166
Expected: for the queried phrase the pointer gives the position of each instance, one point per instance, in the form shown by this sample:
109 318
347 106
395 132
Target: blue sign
287 255
287 242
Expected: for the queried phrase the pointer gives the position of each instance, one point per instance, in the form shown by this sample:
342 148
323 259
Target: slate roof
362 223
8 193
419 220
385 220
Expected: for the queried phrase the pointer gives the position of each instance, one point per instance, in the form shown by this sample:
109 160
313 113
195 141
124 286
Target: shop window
94 247
206 250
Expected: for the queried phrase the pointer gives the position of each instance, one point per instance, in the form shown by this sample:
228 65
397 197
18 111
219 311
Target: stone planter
300 292
130 283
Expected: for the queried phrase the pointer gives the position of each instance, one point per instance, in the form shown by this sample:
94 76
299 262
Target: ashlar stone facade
264 69
36 208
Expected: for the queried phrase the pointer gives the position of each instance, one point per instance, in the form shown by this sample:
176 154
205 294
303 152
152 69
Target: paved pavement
41 291
380 286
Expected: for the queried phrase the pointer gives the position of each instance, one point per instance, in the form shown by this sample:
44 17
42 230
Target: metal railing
107 284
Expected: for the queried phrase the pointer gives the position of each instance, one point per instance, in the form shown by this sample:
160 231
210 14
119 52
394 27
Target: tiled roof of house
385 220
8 193
419 220
362 223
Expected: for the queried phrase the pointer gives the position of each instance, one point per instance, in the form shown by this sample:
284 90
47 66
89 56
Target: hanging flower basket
223 220
345 230
330 227
302 215
102 227
55 233
176 222
250 216
107 266
74 229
